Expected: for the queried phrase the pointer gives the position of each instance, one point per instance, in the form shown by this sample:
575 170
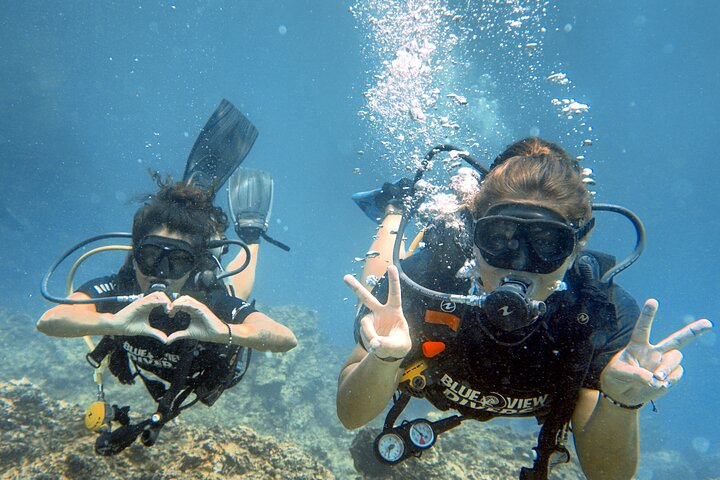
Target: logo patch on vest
492 402
144 357
448 306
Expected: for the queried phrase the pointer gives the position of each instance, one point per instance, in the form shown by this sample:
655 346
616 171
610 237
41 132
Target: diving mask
164 257
526 238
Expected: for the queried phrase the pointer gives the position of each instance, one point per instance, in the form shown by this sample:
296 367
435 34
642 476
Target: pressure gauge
422 434
390 447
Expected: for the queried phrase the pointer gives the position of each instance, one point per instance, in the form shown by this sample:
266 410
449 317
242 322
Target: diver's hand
384 330
133 319
642 372
204 325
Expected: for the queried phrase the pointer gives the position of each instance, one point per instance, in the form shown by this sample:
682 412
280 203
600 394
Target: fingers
367 330
641 333
396 344
675 376
394 297
669 363
684 336
633 376
365 297
179 335
155 299
156 334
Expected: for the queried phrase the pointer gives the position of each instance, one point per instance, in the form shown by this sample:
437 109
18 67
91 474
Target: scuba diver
511 317
171 315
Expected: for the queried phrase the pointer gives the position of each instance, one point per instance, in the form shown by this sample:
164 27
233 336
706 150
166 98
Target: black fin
221 146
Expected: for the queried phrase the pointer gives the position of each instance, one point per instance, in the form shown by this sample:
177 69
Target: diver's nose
520 256
163 267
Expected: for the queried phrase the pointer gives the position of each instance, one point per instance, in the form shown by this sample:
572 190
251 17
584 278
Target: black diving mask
526 238
164 257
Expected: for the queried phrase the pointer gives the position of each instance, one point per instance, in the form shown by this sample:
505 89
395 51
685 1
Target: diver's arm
369 379
365 387
76 320
79 320
244 281
606 432
606 437
261 332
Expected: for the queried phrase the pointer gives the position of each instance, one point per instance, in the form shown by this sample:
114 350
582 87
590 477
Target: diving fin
374 202
221 146
250 197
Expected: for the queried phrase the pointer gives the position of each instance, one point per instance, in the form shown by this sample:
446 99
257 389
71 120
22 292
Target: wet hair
536 171
180 208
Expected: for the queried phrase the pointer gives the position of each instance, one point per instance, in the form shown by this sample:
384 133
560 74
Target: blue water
92 94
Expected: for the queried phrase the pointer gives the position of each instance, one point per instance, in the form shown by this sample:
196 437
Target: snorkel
205 275
508 307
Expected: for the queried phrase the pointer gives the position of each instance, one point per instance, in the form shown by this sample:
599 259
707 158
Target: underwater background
93 94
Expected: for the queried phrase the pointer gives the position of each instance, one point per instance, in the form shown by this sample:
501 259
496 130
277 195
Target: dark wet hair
180 208
535 170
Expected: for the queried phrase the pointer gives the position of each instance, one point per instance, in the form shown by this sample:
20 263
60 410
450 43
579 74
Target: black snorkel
204 277
508 307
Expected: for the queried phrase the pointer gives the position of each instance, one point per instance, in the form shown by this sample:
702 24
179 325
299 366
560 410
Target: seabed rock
44 439
473 450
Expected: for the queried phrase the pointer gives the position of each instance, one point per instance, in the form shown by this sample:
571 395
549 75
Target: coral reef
44 439
291 395
472 451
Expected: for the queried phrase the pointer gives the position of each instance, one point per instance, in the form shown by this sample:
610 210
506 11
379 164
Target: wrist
387 359
110 324
619 404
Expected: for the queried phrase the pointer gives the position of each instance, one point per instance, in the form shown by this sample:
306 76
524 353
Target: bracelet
621 405
229 334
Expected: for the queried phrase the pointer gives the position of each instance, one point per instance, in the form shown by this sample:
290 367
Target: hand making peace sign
642 372
384 330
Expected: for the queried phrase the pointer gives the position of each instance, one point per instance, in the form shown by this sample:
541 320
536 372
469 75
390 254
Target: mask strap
582 232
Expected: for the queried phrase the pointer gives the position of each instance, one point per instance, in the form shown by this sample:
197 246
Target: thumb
179 335
157 334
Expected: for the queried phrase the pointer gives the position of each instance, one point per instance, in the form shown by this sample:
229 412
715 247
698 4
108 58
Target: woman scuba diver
536 328
164 316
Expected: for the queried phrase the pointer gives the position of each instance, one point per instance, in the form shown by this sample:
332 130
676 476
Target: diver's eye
150 254
544 241
495 243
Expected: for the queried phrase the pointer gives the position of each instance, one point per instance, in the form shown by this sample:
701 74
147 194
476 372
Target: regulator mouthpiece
508 307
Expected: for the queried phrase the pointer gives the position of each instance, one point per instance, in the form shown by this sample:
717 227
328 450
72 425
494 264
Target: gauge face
390 447
422 434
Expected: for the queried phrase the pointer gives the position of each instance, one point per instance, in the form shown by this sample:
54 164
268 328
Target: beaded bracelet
621 405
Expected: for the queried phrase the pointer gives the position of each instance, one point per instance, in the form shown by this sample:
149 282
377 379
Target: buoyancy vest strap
560 415
400 401
167 404
101 350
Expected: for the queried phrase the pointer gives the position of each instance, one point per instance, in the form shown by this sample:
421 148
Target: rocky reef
472 451
44 439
